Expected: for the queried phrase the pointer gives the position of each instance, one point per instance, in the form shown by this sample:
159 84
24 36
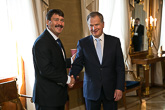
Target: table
140 59
7 79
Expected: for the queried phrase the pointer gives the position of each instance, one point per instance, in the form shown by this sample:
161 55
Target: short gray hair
93 14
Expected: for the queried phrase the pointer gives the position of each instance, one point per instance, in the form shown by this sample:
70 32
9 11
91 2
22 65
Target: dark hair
93 14
54 11
137 19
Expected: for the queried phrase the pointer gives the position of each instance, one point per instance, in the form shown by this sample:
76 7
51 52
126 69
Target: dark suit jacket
50 87
110 75
137 40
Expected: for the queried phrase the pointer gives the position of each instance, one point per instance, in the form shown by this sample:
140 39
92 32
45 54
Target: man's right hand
72 82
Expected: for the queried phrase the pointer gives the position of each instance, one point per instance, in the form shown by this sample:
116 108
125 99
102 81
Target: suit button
100 68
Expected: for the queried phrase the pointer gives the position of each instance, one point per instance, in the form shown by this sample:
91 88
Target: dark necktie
59 43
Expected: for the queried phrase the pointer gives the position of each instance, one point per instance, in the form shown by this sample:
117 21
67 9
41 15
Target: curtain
21 23
17 32
40 11
8 61
157 13
116 18
159 41
162 38
87 6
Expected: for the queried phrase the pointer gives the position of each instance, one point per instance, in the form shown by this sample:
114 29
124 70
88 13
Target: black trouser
38 107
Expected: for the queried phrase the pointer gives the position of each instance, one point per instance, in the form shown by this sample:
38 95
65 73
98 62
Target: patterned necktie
60 44
98 50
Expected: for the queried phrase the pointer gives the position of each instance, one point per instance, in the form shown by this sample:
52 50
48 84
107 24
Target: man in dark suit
50 63
138 35
102 57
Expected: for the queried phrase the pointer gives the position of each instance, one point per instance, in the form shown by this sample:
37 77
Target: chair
9 93
132 86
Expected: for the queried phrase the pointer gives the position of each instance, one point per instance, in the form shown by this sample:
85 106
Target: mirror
139 37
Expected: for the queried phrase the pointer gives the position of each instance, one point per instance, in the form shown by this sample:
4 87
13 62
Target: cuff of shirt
68 81
71 60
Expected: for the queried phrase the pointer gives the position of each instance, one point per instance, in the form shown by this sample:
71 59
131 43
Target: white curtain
157 13
159 75
8 61
162 36
21 23
157 9
116 20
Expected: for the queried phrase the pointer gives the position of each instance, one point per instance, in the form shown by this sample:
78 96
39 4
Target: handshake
72 82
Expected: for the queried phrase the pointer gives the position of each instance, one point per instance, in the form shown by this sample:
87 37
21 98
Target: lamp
139 1
131 48
150 26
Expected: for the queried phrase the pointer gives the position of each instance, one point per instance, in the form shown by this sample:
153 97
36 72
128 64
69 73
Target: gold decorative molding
131 48
147 92
146 67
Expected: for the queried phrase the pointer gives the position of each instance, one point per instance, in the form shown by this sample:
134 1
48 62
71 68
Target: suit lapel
63 50
106 47
92 48
55 44
139 28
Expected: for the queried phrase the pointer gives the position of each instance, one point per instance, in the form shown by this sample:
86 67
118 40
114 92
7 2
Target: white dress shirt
101 41
136 28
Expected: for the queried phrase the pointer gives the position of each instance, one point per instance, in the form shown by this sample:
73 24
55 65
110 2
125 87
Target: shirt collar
137 24
54 36
101 37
